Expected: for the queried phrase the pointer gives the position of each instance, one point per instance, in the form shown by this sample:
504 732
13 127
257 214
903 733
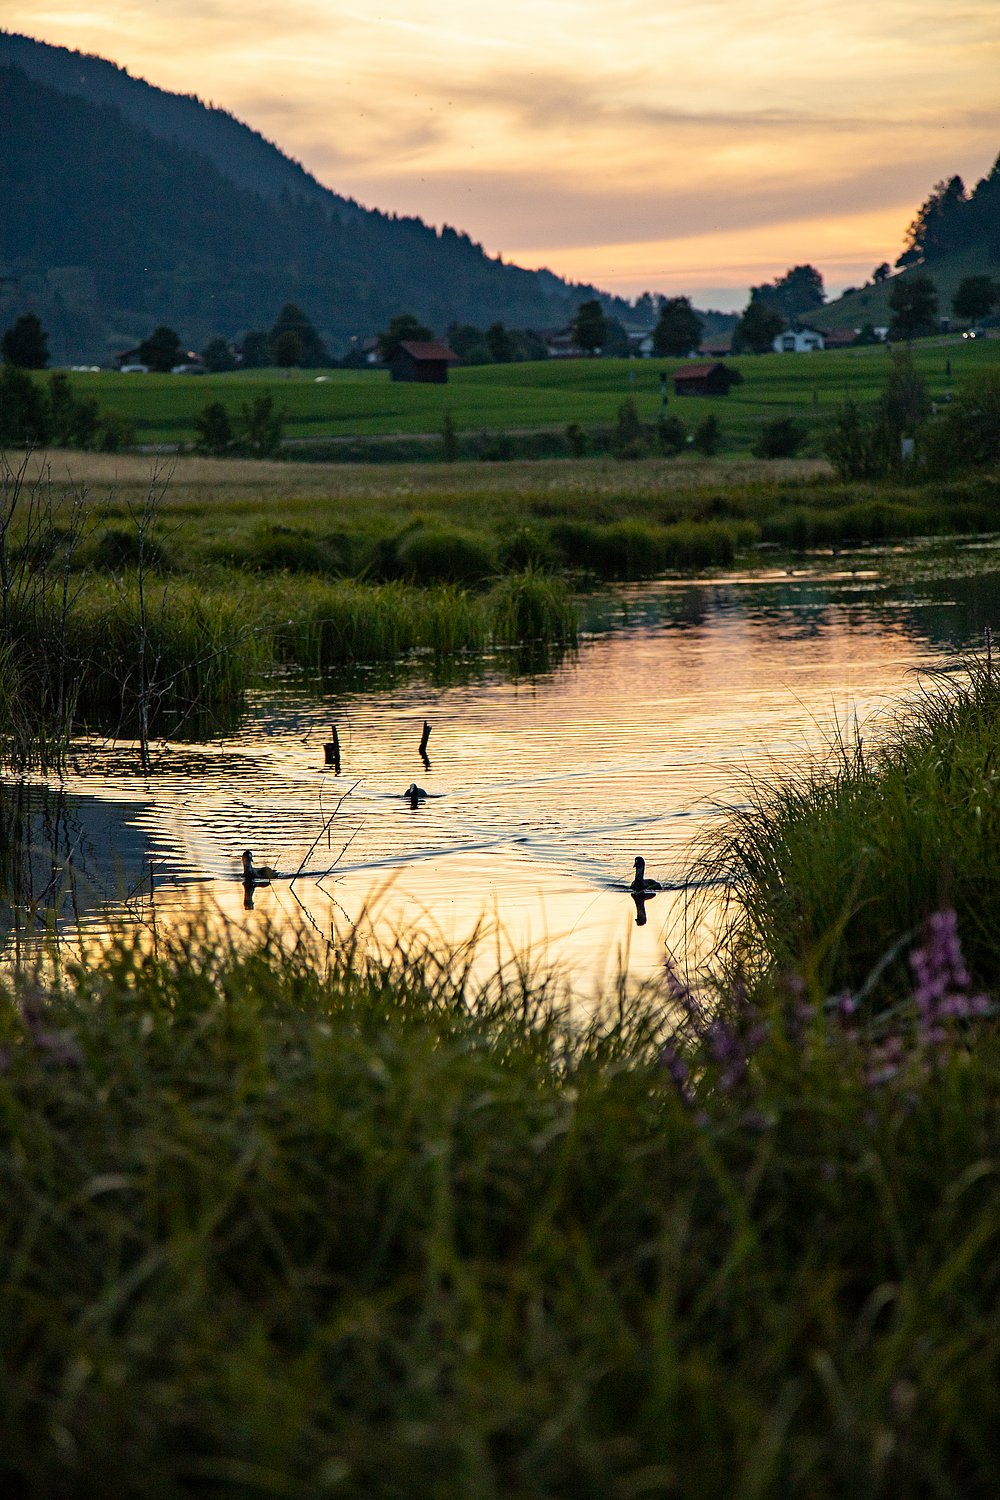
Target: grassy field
359 520
550 394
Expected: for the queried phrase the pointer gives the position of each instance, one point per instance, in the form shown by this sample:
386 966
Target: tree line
951 218
913 306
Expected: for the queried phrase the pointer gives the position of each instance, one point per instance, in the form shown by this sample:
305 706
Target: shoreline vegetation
285 1218
138 595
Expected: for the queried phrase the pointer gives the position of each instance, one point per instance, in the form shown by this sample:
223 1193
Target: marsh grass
206 644
98 626
326 626
204 650
631 550
439 554
176 603
532 608
829 868
601 516
286 1220
332 625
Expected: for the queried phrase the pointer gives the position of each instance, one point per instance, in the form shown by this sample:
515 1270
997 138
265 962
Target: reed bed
182 648
337 624
287 1220
266 516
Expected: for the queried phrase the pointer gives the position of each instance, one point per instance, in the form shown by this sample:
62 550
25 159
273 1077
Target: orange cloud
675 146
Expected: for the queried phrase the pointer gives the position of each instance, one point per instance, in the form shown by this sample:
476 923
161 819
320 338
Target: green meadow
329 404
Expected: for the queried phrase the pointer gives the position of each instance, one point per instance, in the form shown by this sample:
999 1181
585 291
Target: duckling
639 881
256 874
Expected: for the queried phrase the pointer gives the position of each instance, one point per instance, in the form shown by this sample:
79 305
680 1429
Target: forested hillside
953 219
238 151
112 229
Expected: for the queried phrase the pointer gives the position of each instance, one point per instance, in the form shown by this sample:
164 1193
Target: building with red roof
426 361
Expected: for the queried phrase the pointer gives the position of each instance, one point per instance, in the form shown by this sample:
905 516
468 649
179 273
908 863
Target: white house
799 340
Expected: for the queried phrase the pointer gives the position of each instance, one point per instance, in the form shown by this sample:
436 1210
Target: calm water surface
541 791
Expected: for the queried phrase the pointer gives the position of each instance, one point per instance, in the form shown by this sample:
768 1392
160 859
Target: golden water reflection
540 793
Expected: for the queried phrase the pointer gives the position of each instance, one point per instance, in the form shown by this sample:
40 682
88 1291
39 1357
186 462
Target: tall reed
829 867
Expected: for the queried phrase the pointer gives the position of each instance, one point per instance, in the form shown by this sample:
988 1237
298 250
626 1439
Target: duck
415 794
639 880
256 874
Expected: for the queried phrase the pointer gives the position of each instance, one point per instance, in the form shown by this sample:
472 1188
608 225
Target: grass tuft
830 867
295 1220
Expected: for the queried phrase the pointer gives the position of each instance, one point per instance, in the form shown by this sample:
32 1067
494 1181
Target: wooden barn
427 361
712 379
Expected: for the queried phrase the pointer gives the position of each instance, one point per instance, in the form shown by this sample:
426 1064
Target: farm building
716 347
712 379
839 338
560 343
427 361
799 340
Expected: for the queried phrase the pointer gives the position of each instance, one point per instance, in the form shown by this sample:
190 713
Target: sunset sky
687 146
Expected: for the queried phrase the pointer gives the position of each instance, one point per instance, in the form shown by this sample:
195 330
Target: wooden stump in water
331 750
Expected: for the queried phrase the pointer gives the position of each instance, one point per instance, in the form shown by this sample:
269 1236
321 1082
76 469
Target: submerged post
331 750
423 743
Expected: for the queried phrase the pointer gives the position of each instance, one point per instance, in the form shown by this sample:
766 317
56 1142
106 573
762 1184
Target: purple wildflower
727 1051
941 990
680 1074
725 1042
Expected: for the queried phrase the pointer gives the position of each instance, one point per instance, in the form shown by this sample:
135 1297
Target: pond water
541 789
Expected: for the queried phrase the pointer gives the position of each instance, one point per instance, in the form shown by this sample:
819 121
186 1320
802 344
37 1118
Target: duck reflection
640 898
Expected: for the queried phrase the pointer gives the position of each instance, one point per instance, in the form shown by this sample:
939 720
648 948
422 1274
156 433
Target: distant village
428 359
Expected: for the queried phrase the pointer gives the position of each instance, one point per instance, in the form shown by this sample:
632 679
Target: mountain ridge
237 149
175 212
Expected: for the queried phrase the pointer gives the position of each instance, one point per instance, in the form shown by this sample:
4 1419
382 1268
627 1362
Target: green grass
551 393
463 522
830 867
305 1222
206 643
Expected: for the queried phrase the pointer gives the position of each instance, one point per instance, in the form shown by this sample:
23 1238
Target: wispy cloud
694 134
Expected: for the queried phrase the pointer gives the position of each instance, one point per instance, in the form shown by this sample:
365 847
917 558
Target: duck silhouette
256 874
639 881
415 794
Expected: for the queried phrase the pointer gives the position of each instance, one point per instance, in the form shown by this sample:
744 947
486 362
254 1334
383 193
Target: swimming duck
256 874
415 794
639 881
